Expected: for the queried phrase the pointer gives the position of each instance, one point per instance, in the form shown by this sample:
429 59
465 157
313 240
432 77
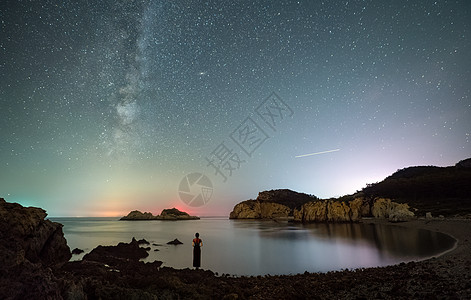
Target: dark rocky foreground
34 265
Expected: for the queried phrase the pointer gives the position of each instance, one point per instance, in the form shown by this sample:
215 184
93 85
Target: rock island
171 214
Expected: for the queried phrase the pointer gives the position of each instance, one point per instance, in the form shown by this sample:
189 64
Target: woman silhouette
197 244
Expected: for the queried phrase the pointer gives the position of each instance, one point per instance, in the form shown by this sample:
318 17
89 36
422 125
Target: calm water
246 247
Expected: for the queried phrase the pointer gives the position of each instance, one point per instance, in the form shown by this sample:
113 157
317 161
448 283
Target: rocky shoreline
115 272
304 208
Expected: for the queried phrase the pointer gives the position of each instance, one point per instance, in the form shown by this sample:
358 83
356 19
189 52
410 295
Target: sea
262 247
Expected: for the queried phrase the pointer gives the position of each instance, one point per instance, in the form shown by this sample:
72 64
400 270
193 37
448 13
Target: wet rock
174 242
113 255
77 251
143 242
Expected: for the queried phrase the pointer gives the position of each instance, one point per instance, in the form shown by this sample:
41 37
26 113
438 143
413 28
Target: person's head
197 235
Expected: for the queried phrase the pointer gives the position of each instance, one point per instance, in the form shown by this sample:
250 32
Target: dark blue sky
106 105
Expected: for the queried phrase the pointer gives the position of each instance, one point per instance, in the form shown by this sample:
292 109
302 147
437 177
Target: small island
171 214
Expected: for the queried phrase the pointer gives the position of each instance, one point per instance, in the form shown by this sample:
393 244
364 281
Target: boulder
175 242
77 251
386 209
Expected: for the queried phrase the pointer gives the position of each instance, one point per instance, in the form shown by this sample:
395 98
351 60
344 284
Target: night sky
106 106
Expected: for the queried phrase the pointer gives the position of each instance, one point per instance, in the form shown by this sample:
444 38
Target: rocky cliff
311 209
271 205
352 211
171 214
30 248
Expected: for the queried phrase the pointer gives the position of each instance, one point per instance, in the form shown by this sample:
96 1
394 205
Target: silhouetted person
197 244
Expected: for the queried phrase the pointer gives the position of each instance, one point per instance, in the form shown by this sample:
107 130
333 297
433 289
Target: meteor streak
322 152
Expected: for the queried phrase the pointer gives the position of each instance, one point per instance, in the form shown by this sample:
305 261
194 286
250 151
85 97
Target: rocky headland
273 205
171 214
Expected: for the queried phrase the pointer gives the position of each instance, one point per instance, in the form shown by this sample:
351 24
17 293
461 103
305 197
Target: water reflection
389 239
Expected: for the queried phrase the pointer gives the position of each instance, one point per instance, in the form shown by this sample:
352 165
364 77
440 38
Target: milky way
106 105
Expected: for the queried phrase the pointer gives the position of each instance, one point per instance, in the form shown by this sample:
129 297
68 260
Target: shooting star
322 152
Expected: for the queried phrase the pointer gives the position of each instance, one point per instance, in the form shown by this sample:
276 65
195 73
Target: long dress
196 252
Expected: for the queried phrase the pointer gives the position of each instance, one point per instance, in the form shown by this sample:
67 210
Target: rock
175 214
143 242
331 211
137 215
428 215
31 248
174 242
77 251
26 232
359 208
395 212
249 209
271 204
338 212
276 204
315 211
172 214
113 255
270 210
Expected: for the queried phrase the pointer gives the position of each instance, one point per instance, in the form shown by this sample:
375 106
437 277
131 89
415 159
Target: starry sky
107 106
